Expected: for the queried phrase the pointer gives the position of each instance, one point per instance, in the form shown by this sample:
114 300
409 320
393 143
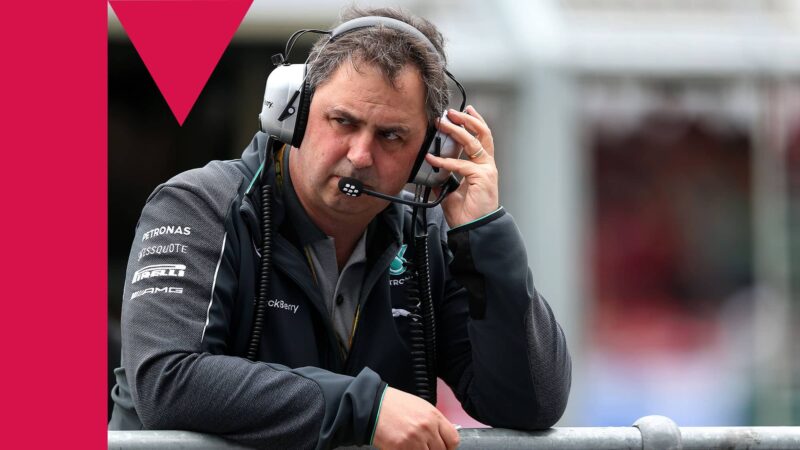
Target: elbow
551 393
154 421
153 393
537 406
550 406
537 413
154 413
553 399
536 416
152 407
535 419
545 418
546 408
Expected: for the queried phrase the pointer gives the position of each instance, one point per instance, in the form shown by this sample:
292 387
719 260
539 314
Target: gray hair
389 50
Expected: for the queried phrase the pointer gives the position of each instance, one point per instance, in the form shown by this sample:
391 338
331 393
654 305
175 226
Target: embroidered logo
161 290
280 304
398 266
159 270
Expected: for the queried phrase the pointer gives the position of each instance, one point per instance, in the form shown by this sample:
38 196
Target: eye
391 136
341 121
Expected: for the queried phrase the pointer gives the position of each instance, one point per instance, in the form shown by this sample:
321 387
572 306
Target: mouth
336 179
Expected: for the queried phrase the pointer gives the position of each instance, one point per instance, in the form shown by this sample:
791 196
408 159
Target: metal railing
647 433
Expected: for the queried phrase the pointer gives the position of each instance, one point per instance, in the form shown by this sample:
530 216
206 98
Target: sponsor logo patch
159 270
398 266
161 290
280 304
399 281
162 250
168 229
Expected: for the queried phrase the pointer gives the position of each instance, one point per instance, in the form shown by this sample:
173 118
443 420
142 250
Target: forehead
364 88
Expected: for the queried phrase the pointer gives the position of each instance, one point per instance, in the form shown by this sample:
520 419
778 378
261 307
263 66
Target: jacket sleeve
183 265
501 349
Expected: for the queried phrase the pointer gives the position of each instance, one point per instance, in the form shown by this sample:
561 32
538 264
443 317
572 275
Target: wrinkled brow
349 116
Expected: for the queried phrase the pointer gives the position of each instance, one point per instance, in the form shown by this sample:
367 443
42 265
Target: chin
357 205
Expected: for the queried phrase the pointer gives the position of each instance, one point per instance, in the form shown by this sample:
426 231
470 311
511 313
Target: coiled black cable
422 327
427 313
260 307
417 337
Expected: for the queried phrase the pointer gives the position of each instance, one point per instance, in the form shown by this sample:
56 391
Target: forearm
265 406
517 373
259 404
521 365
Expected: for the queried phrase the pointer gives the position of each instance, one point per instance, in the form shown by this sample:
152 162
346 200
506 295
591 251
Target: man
334 365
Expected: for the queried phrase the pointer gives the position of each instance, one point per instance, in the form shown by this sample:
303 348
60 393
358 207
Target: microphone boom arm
354 188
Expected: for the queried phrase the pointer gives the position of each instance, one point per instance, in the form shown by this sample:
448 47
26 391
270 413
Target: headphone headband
388 22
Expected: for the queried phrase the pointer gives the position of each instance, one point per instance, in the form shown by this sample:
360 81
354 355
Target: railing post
659 433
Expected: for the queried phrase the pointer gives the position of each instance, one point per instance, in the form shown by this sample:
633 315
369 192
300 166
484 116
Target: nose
360 152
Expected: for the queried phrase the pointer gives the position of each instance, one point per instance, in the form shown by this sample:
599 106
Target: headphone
287 100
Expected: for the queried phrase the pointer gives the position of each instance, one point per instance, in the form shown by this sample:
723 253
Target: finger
473 124
474 127
449 434
474 112
459 166
436 442
471 144
457 132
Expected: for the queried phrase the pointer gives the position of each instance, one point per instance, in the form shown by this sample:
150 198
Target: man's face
359 126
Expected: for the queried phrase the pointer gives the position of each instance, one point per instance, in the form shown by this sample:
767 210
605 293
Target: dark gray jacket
188 309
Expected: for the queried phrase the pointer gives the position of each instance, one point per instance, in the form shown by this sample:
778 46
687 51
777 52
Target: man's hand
409 422
478 194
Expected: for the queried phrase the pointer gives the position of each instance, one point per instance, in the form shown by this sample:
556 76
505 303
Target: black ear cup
439 144
303 107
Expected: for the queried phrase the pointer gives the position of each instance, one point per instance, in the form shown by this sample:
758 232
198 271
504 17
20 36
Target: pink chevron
180 42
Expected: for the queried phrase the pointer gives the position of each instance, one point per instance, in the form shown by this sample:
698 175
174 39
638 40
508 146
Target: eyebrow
337 110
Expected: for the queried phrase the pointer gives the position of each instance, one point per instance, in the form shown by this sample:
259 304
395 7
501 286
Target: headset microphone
354 188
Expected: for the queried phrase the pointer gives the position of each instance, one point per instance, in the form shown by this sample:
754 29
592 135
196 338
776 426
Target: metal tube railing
648 433
696 438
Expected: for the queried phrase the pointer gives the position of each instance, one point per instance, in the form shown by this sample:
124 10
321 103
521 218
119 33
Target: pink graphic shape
180 42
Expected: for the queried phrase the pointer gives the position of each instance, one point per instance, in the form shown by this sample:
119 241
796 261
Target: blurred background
648 149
